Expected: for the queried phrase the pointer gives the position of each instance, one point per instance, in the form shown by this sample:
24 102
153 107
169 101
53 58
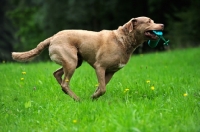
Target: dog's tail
29 55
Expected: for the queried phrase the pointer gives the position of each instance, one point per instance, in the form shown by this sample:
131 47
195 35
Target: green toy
154 43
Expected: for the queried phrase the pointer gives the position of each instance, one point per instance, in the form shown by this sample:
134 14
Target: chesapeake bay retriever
106 51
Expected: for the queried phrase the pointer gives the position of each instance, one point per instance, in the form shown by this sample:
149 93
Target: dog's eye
149 21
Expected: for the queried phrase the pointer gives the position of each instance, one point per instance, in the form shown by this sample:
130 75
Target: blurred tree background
25 23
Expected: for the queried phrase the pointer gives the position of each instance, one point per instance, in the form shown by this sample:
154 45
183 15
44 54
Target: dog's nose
162 26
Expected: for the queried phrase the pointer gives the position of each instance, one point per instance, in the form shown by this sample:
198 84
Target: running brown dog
106 51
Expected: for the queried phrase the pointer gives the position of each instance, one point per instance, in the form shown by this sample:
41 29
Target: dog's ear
131 24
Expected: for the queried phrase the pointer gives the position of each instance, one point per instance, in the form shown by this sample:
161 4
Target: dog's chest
116 67
118 63
121 65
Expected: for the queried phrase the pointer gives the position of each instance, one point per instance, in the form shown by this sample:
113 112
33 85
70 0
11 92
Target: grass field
157 92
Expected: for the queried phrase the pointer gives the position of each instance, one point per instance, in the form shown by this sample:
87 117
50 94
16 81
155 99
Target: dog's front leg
108 76
100 72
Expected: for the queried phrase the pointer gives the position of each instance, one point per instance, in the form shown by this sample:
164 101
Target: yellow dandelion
74 121
148 81
22 79
23 73
185 94
126 90
97 85
152 87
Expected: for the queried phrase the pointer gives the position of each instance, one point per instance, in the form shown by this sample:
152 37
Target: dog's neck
129 41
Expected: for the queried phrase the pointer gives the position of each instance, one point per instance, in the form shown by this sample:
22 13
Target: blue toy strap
159 33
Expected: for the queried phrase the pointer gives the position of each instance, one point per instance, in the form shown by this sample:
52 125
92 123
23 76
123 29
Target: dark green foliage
6 32
26 23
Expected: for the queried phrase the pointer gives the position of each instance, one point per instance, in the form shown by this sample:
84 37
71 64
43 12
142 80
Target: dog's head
142 27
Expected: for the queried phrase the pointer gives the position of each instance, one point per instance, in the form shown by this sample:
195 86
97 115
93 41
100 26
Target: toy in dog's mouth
151 35
155 37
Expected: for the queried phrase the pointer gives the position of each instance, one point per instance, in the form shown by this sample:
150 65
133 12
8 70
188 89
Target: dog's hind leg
58 75
65 84
59 72
68 58
69 68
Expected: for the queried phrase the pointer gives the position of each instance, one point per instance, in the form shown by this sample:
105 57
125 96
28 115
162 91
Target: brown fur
106 51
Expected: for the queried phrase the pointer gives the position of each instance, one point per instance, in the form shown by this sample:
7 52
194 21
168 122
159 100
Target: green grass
38 104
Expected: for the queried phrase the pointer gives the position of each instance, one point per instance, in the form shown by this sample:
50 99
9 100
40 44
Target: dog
106 51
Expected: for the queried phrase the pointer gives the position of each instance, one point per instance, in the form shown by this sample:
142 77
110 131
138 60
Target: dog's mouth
151 35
